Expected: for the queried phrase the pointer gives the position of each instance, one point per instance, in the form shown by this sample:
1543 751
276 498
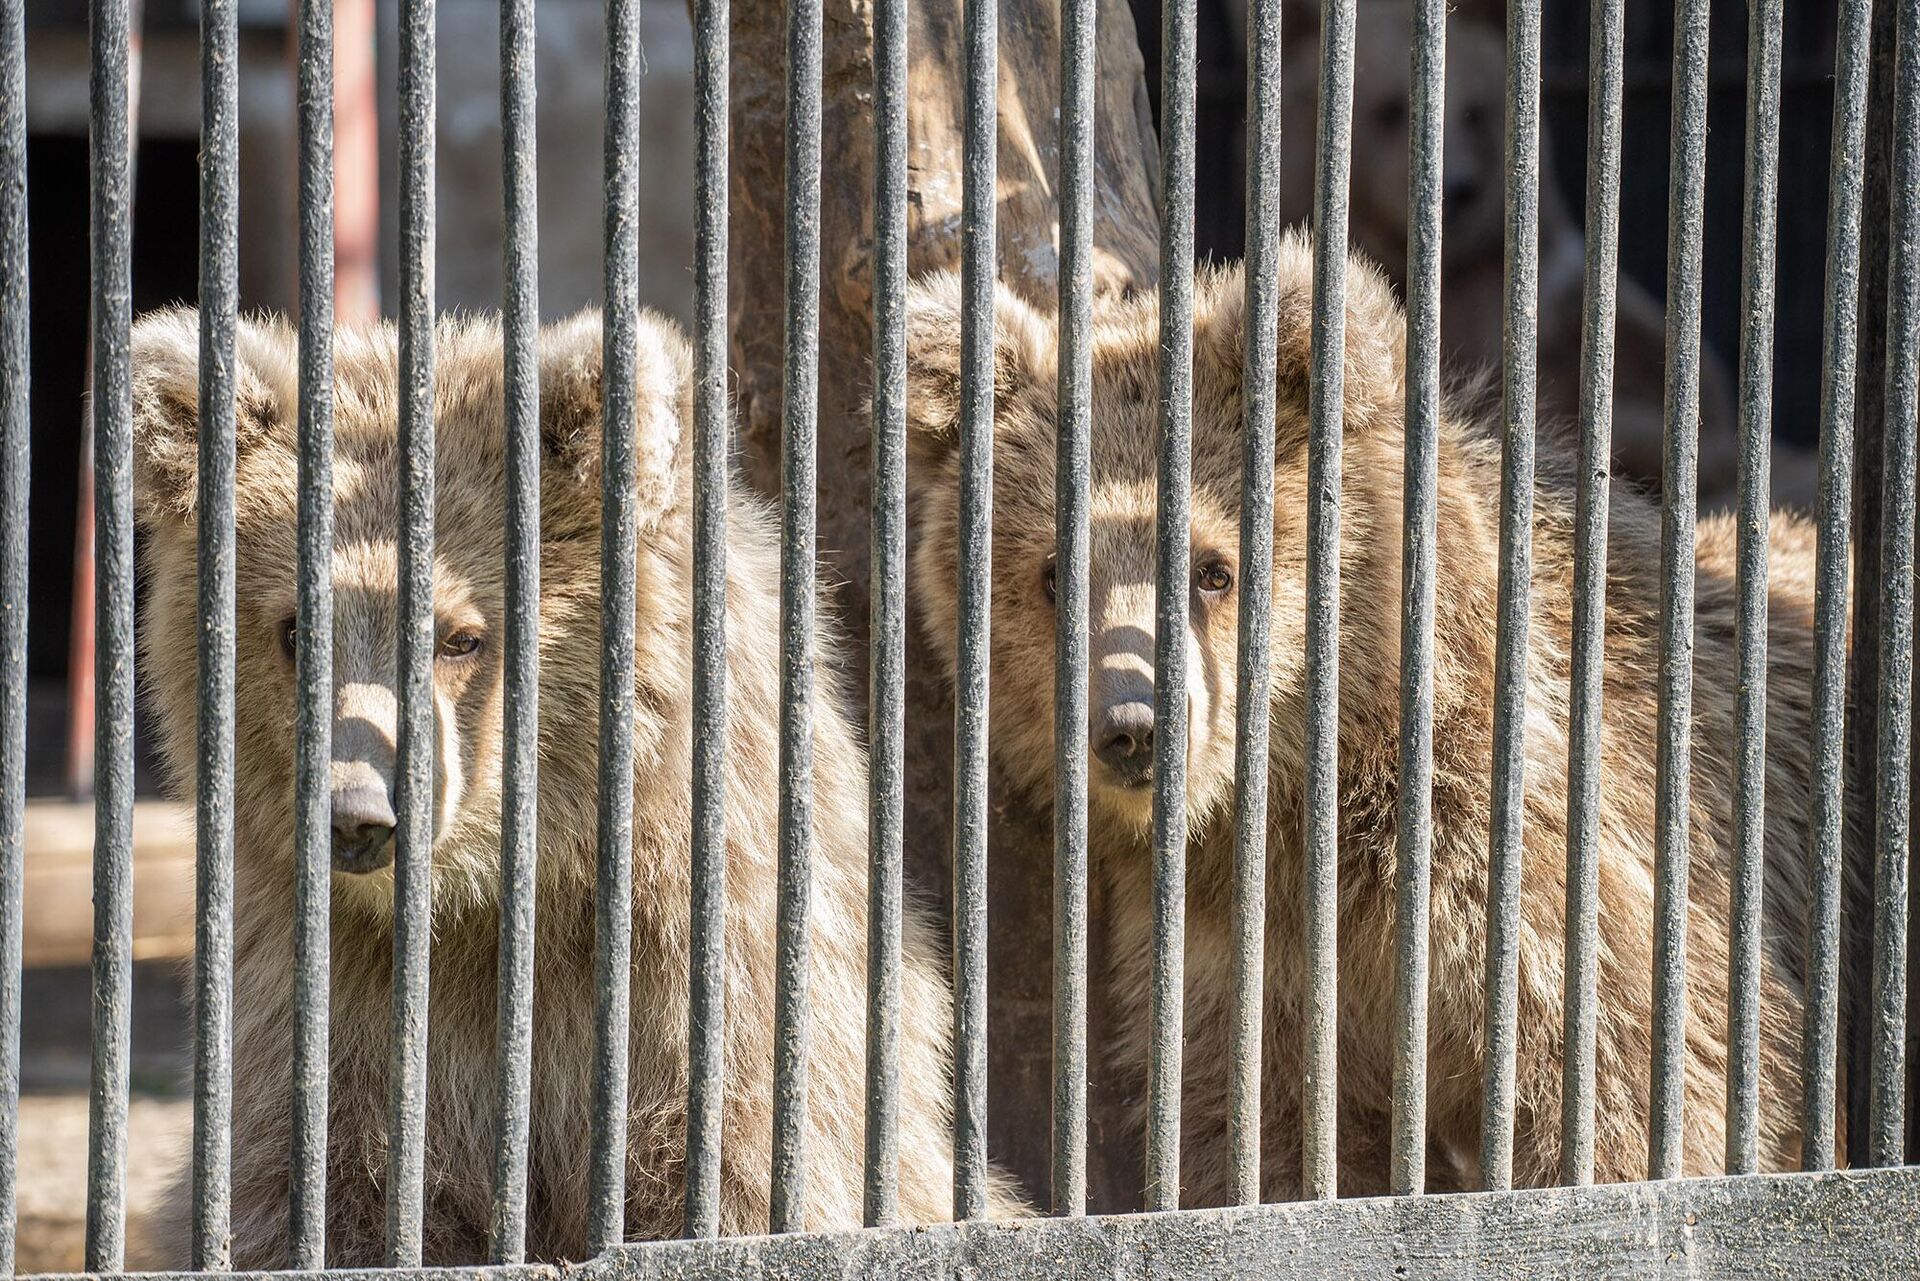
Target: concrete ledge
1864 1225
1798 1226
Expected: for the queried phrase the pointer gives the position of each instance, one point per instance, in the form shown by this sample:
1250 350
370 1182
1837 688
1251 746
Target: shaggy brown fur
470 596
1124 446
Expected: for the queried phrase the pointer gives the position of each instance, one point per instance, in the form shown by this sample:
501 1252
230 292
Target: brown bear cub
1125 434
469 591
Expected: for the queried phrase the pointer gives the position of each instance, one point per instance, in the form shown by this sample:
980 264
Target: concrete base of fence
1830 1226
1849 1225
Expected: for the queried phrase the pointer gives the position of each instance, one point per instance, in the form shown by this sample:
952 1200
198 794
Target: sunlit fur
470 594
1125 434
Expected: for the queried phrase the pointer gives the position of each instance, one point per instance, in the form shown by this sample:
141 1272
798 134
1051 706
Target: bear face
1122 556
469 579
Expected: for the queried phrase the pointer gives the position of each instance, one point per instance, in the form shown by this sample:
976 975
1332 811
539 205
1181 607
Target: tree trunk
1126 257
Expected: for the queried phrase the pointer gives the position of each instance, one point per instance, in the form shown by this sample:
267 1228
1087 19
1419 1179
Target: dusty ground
56 1031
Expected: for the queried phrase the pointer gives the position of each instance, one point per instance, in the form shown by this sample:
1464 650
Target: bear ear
1022 356
571 390
166 404
1375 365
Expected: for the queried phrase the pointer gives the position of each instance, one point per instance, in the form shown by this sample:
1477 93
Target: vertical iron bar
1750 586
1888 1003
1607 40
519 817
313 654
1174 555
82 650
15 444
1517 391
887 589
706 1064
1820 1060
977 271
619 543
800 394
1254 702
1673 764
1863 656
413 791
112 404
213 777
1072 477
1325 424
1425 139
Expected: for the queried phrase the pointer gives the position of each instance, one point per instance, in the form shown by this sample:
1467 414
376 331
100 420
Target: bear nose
362 828
1123 740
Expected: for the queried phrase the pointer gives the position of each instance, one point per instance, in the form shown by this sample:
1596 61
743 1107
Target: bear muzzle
363 824
1122 740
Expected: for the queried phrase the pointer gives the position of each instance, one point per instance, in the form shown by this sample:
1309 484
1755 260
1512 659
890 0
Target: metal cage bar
706 1052
214 526
520 772
1820 1059
1254 663
112 405
1325 422
1072 480
1673 766
1887 1012
15 466
1607 39
313 651
414 652
1414 820
977 271
888 673
799 398
619 544
1174 572
1750 587
1515 590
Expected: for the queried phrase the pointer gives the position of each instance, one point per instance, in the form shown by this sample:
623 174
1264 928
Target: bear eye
1213 578
1050 580
458 645
289 634
1391 114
